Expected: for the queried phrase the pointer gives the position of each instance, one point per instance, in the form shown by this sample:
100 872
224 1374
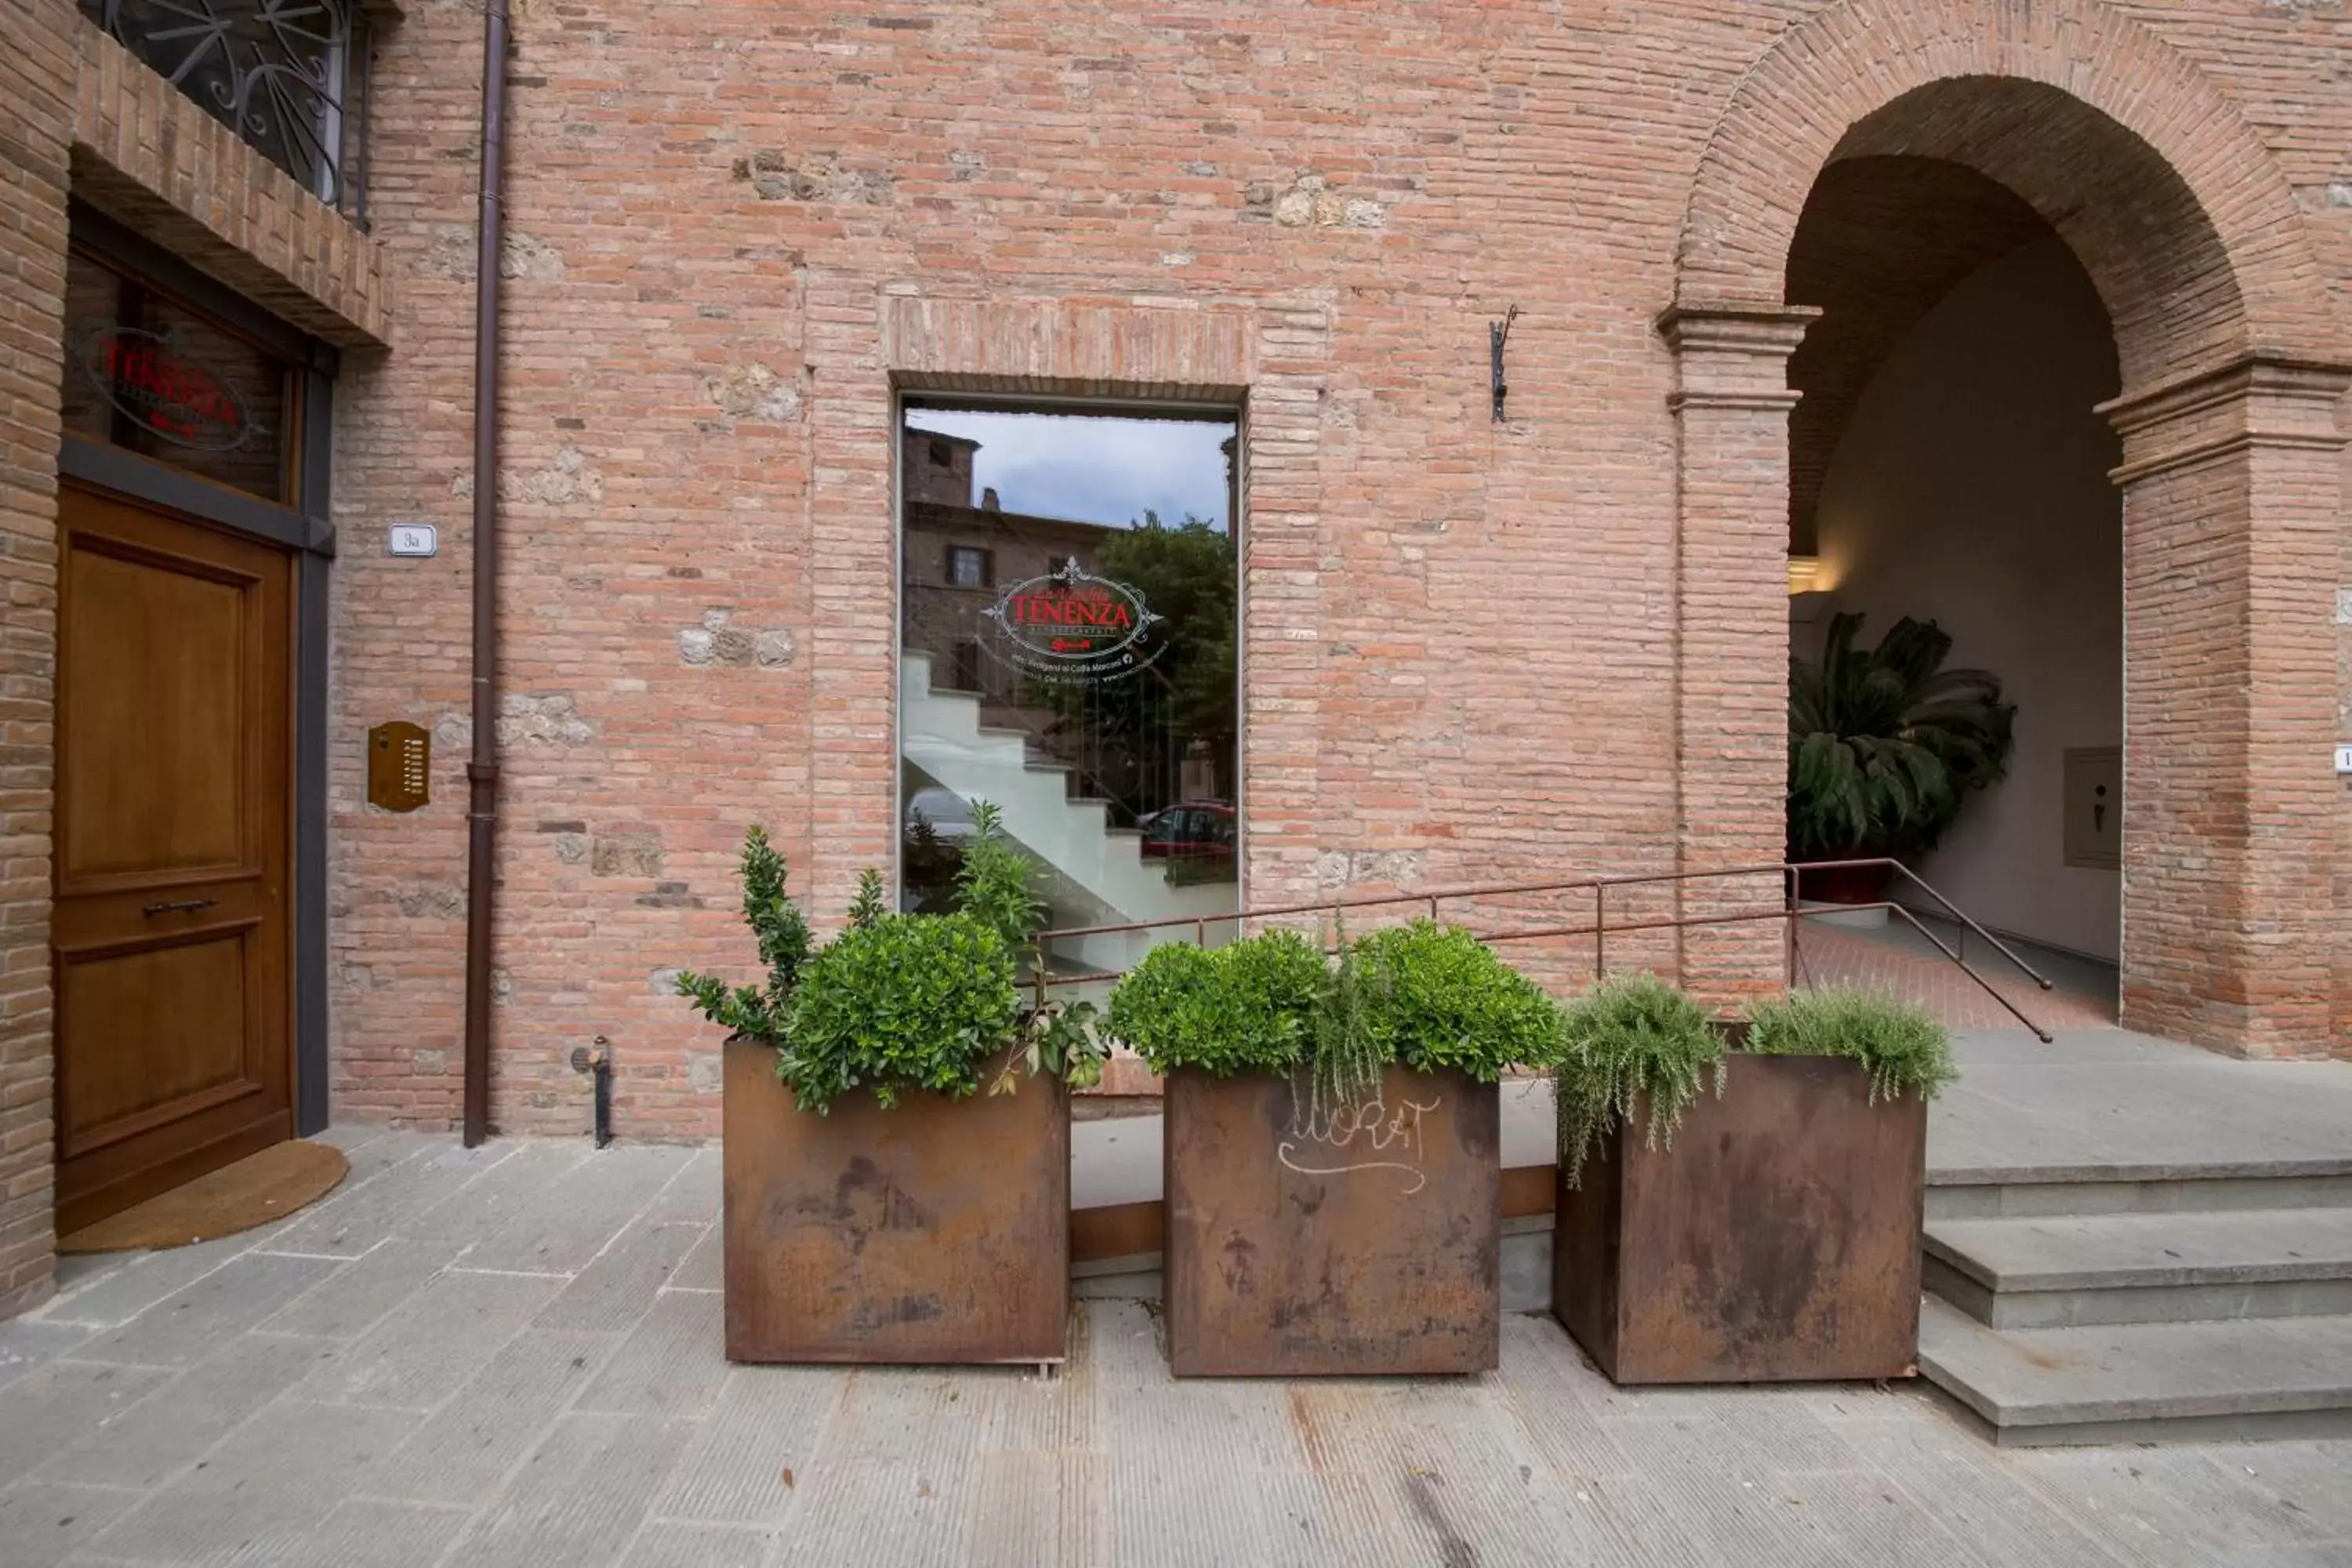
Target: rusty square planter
1778 1241
1371 1246
934 1232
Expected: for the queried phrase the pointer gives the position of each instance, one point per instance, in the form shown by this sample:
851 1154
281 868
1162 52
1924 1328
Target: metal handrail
1789 909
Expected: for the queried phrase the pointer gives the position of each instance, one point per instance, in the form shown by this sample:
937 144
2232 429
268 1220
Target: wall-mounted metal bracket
1499 333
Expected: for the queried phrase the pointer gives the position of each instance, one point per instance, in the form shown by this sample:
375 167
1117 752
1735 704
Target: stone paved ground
511 1357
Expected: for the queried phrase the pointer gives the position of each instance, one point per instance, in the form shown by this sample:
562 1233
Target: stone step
2144 1382
2066 1270
2185 1188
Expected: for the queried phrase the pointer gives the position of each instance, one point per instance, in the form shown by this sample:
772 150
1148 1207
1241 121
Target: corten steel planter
936 1231
1369 1245
1778 1241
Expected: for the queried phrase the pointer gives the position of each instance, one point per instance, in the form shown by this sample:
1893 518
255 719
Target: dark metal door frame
304 530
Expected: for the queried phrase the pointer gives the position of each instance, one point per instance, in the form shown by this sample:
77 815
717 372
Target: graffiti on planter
1344 1139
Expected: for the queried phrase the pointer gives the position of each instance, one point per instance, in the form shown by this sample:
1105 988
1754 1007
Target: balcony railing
289 77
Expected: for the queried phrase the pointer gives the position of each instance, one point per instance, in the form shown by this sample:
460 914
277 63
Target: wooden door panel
172 922
156 672
180 1009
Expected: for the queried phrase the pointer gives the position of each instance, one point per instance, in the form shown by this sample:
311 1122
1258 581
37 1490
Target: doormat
254 1191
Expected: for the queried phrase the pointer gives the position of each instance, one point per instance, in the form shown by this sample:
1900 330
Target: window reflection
1069 609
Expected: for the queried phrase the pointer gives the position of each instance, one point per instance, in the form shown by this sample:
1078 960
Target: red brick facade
1472 651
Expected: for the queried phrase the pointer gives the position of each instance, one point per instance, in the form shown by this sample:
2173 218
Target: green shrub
900 1001
1248 1007
783 935
1631 1039
1902 1049
1421 995
1436 996
992 885
907 1002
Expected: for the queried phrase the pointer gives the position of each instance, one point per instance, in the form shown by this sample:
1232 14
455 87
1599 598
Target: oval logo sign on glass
147 377
1074 625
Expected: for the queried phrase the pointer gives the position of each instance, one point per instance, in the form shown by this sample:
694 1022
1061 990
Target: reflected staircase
1097 873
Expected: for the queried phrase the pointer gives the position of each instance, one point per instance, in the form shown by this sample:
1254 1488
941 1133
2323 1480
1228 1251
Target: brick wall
37 82
1462 636
78 116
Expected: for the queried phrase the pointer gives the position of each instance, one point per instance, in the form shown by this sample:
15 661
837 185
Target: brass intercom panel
400 766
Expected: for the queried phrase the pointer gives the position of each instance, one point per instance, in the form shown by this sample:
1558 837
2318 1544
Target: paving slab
191 1324
2131 1106
153 1440
62 1403
457 1426
675 1543
466 1450
581 1496
746 1462
361 1292
429 1348
670 1365
43 1522
368 1532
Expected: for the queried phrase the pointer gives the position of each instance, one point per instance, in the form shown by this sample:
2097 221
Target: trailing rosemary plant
1632 1040
1343 1065
1904 1050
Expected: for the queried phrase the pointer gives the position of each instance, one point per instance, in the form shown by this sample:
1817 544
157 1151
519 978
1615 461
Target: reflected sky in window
1090 468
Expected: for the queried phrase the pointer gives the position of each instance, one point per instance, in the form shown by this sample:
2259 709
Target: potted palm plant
879 1207
1884 744
1332 1149
1741 1202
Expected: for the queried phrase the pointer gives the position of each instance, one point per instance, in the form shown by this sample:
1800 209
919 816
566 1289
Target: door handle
184 907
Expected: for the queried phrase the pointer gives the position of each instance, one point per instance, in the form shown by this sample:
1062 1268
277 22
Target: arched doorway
2229 471
1949 469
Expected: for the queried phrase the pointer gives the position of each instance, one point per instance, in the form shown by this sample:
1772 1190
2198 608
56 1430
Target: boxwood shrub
1422 996
906 1002
1436 996
1248 1007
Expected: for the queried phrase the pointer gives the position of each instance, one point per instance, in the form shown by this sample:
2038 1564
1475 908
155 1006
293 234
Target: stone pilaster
2232 503
1731 401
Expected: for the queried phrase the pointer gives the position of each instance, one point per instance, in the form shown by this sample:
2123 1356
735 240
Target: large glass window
1070 598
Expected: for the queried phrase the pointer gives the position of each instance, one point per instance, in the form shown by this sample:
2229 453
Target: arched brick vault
1882 240
2231 365
2133 154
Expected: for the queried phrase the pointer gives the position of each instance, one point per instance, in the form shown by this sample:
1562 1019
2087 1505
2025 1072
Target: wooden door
171 936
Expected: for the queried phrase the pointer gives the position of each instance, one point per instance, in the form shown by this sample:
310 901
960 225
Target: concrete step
2062 1271
2141 1382
1985 1193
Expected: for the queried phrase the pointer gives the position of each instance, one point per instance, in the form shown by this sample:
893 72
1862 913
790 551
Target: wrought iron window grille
289 77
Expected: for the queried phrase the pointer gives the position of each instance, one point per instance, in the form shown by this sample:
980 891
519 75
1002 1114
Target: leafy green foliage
868 906
1902 1049
1248 1007
1185 572
1422 996
992 883
900 1001
783 935
1883 745
908 1002
1436 996
1633 1039
1344 1063
1059 1040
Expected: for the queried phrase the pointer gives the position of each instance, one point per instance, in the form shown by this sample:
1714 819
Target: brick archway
2232 369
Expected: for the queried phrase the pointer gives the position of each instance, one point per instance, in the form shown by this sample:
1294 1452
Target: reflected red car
1191 830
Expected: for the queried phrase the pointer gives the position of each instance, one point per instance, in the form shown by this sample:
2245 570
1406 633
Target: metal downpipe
482 769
